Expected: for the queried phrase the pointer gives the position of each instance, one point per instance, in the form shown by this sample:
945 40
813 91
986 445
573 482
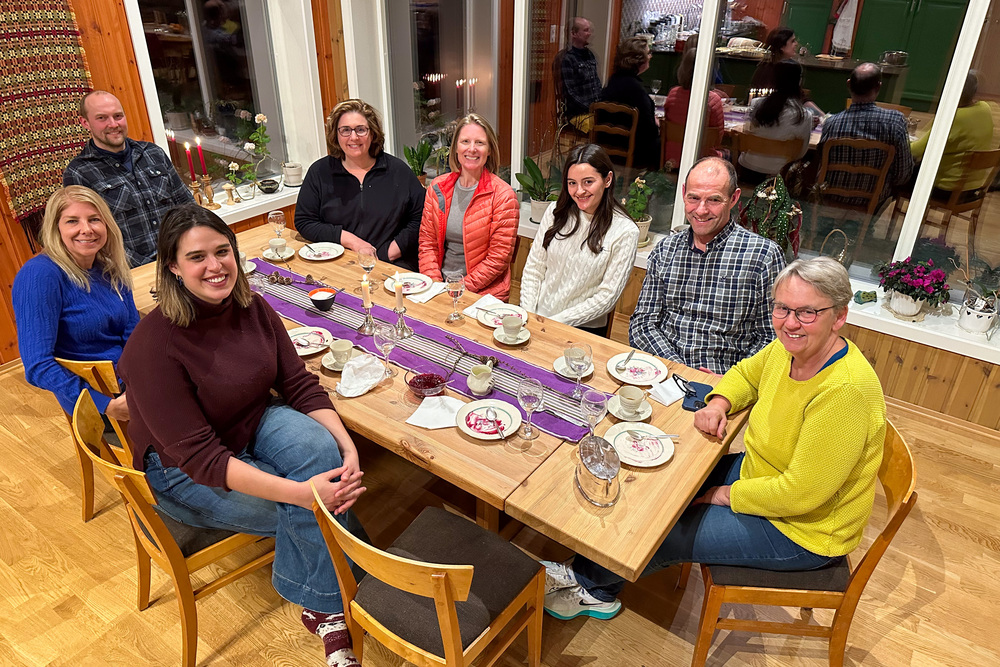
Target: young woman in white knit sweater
584 249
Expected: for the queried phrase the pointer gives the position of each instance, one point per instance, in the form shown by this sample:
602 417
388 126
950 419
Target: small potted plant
254 146
978 312
636 202
910 284
773 214
416 157
540 191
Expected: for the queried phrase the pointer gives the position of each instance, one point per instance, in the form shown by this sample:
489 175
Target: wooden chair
711 138
177 548
101 376
979 169
836 587
786 149
886 105
846 161
425 608
726 89
613 136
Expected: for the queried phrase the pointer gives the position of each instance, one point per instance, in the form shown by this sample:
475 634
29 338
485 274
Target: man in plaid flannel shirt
864 120
581 86
135 178
706 299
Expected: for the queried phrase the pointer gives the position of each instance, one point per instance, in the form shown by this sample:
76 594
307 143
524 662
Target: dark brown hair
374 127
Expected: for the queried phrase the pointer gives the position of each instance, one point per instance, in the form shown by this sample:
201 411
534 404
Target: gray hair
824 274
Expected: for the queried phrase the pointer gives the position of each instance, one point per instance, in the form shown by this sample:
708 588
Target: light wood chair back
154 539
786 149
101 376
898 479
711 138
610 135
833 161
445 584
886 105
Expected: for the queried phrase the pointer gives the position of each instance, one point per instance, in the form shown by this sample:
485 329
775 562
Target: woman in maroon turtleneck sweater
217 448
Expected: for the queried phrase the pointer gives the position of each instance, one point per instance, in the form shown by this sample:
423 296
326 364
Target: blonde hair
111 257
493 144
824 274
374 127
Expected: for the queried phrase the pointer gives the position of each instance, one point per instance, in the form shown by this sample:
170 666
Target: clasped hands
340 488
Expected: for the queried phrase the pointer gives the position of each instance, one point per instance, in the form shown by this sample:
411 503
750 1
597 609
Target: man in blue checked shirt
706 299
135 178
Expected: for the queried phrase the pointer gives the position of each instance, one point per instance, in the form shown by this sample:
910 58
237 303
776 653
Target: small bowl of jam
425 384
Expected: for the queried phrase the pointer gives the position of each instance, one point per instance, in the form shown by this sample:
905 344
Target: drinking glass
578 357
655 85
385 339
530 395
366 258
455 284
277 221
595 406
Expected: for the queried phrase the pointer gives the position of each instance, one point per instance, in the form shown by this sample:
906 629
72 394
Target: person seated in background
704 301
218 448
584 248
972 130
470 215
74 299
800 497
865 120
780 115
360 196
676 108
782 46
580 85
625 87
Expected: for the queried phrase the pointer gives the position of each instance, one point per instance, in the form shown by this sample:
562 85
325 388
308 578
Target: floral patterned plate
641 369
310 340
413 283
642 453
317 252
493 316
471 419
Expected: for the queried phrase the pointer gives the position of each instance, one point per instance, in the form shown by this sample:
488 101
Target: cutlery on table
623 364
639 435
491 414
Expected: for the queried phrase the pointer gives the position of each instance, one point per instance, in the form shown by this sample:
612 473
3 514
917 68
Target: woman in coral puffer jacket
470 215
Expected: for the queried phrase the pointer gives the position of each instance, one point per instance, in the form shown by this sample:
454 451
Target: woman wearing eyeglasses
359 195
800 496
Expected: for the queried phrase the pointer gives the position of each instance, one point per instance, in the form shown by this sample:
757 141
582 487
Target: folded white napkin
484 303
666 392
360 375
436 412
428 294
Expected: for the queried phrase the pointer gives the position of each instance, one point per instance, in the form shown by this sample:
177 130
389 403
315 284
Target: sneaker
559 575
576 601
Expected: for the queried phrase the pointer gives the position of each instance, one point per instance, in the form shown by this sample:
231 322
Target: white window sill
260 204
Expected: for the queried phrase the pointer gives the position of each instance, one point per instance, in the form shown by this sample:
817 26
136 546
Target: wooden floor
68 588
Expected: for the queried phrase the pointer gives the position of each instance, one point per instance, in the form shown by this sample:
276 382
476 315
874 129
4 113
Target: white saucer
642 414
647 453
249 267
331 365
560 366
271 255
522 337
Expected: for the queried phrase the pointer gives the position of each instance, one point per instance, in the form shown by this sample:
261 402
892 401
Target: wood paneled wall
939 380
328 27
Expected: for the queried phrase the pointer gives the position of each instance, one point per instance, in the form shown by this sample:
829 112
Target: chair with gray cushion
838 586
446 592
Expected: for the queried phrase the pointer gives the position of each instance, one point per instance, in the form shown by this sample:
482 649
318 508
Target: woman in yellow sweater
801 494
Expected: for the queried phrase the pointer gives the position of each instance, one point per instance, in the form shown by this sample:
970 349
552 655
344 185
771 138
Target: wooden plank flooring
68 588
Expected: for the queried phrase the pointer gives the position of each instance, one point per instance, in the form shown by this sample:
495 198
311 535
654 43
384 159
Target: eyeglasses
689 391
803 315
360 130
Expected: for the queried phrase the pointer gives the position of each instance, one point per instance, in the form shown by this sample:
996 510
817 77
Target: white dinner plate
522 337
270 255
330 364
249 267
413 283
645 453
310 340
318 252
560 366
641 369
471 419
493 316
642 414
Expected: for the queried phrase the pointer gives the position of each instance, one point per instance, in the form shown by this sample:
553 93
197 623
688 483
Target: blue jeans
288 444
711 535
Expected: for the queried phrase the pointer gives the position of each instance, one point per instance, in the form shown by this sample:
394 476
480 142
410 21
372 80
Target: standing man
706 298
135 178
580 84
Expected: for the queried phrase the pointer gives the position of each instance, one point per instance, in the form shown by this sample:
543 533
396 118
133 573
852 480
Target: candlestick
458 95
402 331
398 287
209 203
472 94
201 156
187 149
230 199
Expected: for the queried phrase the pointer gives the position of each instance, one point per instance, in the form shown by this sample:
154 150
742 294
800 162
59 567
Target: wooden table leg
487 516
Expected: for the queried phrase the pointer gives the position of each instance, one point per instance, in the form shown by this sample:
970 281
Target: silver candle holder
402 331
367 327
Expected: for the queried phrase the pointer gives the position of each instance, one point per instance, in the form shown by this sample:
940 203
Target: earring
180 281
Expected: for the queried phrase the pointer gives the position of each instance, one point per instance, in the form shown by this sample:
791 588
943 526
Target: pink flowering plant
915 279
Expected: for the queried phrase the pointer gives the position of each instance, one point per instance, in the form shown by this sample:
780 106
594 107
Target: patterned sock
332 629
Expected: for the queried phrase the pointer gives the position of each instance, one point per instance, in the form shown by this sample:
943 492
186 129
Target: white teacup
512 326
630 398
341 350
277 246
243 258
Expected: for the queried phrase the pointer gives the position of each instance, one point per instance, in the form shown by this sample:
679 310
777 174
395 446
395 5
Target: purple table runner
433 350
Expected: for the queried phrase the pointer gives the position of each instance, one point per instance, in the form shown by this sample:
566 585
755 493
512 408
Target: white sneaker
559 575
569 603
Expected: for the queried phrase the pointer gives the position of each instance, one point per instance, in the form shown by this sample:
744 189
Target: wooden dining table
531 481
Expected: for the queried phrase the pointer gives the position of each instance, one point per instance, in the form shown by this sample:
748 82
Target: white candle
399 291
366 294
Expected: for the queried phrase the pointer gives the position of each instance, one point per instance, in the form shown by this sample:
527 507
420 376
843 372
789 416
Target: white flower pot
178 120
643 224
538 209
905 305
976 321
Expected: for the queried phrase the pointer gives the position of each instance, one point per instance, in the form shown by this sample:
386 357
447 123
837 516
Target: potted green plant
254 147
773 214
539 191
910 284
636 202
978 312
416 157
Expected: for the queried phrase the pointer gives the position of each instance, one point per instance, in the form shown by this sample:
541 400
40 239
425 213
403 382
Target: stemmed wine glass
366 258
595 407
655 86
530 395
455 284
385 339
277 221
578 357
